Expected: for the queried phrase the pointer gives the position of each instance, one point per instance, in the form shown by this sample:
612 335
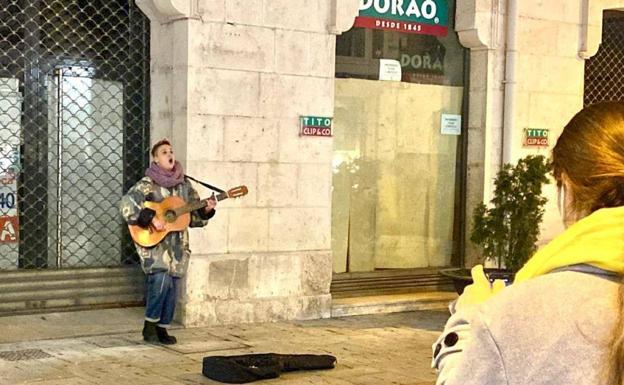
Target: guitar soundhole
170 216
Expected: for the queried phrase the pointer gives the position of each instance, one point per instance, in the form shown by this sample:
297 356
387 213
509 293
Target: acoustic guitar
175 213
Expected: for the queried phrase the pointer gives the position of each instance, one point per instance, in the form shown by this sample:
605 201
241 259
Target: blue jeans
161 296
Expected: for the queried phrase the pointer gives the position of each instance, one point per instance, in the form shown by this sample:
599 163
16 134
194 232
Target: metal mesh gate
74 124
604 72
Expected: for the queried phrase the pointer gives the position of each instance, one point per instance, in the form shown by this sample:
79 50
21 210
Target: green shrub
509 229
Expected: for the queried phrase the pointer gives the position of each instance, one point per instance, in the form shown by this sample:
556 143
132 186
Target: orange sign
7 178
9 229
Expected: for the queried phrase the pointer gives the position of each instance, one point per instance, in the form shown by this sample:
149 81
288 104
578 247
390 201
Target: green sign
426 17
536 137
315 126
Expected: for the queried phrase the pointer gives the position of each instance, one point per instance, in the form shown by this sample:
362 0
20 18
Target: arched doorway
604 72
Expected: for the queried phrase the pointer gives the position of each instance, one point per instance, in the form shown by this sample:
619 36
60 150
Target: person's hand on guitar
211 203
157 224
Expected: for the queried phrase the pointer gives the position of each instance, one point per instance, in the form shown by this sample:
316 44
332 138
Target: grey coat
552 330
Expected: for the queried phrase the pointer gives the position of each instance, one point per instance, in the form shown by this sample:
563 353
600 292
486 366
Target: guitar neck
199 205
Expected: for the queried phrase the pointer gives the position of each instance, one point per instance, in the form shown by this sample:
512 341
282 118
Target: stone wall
230 79
553 39
551 83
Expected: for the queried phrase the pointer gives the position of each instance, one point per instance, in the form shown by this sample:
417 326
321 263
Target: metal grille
74 124
604 72
24 355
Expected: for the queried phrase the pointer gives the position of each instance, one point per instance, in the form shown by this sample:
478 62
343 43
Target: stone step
26 275
433 300
71 304
385 282
36 291
27 286
70 293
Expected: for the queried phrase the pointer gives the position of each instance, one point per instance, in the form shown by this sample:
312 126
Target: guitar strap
213 188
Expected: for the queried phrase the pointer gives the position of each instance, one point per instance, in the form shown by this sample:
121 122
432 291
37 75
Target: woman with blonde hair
561 321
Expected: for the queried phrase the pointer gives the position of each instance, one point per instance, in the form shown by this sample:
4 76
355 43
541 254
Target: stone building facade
230 78
550 42
229 81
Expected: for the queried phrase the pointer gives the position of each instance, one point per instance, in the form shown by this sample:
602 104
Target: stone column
169 69
230 79
479 24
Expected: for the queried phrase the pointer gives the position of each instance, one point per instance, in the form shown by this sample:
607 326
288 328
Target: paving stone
63 381
208 347
392 349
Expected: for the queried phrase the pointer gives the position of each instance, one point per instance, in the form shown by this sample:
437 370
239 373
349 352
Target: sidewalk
105 347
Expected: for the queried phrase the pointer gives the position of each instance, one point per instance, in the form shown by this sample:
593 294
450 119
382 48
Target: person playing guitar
165 262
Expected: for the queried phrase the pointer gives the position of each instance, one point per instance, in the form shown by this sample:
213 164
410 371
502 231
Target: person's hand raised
211 203
480 290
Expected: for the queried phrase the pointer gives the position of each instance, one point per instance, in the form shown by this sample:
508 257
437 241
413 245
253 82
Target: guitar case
253 367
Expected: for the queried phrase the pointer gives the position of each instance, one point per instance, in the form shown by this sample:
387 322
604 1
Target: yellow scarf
596 240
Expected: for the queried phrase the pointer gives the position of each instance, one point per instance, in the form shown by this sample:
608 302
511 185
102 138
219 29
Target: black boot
164 337
150 334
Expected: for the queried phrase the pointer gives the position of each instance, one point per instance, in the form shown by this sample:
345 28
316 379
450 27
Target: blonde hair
590 153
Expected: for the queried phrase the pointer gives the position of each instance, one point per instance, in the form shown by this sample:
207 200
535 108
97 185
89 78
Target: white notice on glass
389 70
451 124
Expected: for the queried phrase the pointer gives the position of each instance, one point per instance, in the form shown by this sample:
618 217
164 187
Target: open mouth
170 161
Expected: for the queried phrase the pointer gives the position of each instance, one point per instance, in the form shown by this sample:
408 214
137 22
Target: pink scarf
166 178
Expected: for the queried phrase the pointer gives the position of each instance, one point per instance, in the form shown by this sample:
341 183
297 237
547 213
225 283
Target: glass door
85 178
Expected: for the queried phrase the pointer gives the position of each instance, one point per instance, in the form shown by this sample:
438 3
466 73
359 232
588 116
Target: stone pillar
479 25
230 79
169 68
553 40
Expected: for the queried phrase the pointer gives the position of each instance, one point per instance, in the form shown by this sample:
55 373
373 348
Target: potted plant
508 230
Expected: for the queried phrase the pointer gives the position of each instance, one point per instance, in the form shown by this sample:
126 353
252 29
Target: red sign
400 26
540 142
9 229
7 178
316 131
